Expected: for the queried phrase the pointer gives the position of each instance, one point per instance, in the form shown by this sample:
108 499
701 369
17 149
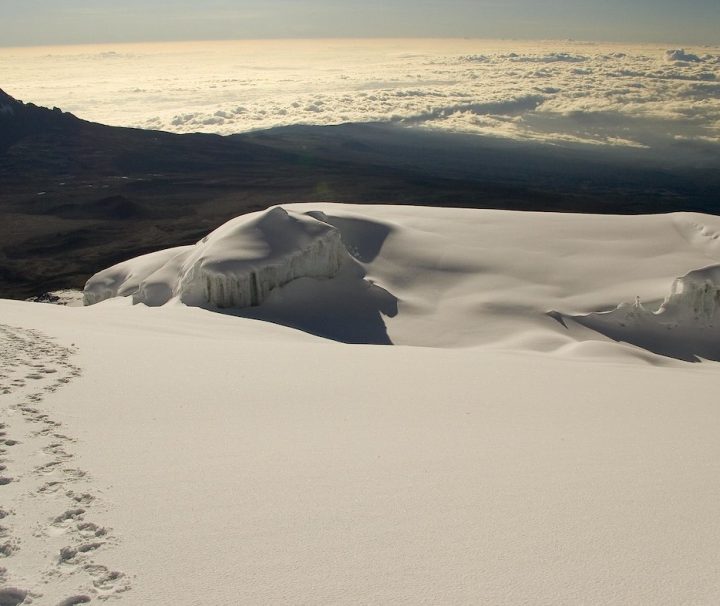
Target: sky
49 22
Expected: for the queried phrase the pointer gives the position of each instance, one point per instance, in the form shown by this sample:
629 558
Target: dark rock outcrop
18 120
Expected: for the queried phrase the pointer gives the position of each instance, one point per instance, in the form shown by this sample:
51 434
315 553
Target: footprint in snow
29 361
10 596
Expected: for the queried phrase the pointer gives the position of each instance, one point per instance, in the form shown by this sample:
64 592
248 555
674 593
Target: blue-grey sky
34 22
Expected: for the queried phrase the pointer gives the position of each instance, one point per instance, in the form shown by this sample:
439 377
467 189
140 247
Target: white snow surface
522 455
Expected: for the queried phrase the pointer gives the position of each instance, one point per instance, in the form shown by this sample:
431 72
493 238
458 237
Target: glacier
238 265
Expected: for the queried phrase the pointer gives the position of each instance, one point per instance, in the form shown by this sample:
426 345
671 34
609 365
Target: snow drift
235 266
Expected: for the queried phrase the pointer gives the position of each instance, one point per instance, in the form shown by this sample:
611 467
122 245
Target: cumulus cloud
548 58
603 95
679 55
476 59
506 107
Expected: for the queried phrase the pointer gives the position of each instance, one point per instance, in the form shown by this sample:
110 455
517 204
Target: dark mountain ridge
18 120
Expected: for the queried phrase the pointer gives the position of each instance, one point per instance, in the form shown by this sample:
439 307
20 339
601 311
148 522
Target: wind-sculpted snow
238 265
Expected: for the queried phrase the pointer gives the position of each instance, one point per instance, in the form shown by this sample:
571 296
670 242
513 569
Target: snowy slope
516 458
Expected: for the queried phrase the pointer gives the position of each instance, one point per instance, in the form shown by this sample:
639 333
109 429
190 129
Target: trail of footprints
43 496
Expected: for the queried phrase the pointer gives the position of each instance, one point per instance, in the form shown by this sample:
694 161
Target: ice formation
237 265
628 313
694 301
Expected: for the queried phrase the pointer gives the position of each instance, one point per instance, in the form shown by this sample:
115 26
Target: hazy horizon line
589 42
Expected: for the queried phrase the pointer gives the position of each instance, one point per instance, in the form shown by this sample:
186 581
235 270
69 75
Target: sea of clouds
601 94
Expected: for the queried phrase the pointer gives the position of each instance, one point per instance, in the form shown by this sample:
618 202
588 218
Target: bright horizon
45 23
665 44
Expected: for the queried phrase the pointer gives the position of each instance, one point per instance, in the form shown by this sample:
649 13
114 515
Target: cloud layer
598 94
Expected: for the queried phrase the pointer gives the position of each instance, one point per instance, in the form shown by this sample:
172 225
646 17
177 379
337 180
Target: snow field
522 443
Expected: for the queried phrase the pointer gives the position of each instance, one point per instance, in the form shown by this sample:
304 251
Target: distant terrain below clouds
608 95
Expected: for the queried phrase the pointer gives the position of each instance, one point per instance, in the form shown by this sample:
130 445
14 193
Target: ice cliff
686 326
694 301
237 265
